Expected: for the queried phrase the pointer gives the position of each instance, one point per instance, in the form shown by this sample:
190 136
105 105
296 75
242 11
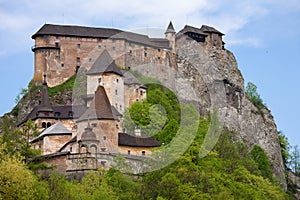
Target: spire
45 105
170 28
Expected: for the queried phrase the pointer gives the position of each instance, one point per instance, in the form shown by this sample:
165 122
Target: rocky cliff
210 77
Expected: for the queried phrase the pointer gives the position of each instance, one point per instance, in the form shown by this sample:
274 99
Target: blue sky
263 35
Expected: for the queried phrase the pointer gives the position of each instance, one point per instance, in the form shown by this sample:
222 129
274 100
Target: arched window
48 124
93 148
143 153
83 149
44 125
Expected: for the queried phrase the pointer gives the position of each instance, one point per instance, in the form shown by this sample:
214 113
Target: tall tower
170 35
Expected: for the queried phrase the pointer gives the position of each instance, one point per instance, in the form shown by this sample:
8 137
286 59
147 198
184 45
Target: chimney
137 131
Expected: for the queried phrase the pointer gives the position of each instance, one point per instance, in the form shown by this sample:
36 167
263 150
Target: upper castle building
61 50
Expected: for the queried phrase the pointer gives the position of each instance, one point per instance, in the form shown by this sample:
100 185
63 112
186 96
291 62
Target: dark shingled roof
209 29
137 141
130 79
100 107
92 32
45 105
161 42
79 31
104 64
64 112
192 29
170 28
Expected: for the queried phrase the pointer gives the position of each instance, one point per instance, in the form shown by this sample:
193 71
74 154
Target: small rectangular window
143 153
99 80
113 48
116 91
56 44
78 46
78 59
128 152
62 64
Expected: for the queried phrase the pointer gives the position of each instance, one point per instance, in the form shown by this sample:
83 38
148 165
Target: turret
45 109
170 35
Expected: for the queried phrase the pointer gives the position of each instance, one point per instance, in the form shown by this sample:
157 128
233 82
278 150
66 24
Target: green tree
254 97
260 157
285 147
17 140
295 159
16 181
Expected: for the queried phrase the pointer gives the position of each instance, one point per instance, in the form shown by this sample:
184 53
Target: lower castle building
76 138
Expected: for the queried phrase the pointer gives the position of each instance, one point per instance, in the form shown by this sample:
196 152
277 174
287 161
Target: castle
83 137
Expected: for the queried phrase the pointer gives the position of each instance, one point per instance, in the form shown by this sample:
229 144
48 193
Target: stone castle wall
59 57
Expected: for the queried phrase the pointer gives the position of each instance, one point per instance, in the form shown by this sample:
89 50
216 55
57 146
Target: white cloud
22 18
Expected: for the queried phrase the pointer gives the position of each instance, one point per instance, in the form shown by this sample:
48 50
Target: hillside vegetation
229 171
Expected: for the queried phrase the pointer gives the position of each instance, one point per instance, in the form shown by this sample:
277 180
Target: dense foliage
254 97
229 171
158 115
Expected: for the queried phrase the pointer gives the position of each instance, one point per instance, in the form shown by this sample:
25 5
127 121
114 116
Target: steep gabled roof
209 29
192 29
56 129
125 139
130 79
104 64
170 28
100 107
45 105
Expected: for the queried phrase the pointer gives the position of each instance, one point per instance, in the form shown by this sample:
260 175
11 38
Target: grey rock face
210 77
211 66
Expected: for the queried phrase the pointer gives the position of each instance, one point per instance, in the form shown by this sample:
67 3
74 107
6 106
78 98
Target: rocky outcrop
210 77
217 67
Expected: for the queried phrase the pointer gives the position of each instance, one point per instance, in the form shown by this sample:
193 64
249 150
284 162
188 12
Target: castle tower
106 73
100 116
45 109
170 35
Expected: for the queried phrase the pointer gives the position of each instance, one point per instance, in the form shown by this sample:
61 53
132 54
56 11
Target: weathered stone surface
210 77
210 66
